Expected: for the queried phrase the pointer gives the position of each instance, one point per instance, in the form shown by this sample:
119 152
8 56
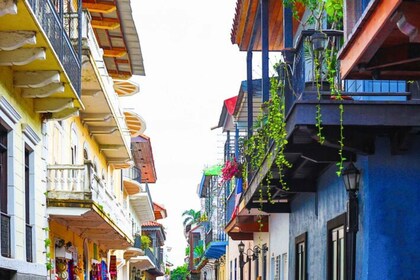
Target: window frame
338 221
303 238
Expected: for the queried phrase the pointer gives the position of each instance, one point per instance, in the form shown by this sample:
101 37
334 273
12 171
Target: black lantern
319 41
241 248
351 177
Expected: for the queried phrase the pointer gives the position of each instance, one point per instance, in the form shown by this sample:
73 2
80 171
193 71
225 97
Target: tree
191 217
180 273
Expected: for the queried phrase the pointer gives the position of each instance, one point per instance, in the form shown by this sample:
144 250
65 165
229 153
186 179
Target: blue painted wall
388 241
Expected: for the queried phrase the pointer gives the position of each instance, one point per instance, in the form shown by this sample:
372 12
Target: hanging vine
325 66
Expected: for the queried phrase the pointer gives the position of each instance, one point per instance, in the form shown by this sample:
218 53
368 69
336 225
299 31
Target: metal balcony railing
62 30
133 173
230 206
5 235
29 240
152 257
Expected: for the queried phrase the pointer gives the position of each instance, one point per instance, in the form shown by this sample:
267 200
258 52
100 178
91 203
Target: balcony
366 114
142 203
132 180
78 199
383 41
216 243
102 114
39 49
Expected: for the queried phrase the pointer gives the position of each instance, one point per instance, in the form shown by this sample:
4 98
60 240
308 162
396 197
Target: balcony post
264 50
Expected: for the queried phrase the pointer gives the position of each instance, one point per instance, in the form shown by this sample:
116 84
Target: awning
215 250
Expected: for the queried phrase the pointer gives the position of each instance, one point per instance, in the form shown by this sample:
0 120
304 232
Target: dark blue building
371 128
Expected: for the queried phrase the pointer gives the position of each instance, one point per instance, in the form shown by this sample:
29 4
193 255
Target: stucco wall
389 196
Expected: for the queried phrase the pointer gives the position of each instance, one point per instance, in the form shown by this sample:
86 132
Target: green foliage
191 217
180 273
187 251
272 127
145 242
198 251
325 62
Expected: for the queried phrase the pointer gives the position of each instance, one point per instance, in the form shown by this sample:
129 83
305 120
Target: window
284 268
230 270
28 202
300 251
277 268
74 140
336 248
5 218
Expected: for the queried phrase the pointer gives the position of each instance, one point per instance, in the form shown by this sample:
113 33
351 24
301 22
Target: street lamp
252 256
351 177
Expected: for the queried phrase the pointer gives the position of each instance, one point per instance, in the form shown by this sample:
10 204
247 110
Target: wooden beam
99 7
395 56
115 52
241 235
365 42
105 23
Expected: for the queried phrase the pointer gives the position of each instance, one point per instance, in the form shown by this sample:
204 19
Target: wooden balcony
384 43
80 200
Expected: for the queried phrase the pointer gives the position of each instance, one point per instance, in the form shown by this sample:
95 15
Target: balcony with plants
42 46
78 197
310 118
213 197
156 233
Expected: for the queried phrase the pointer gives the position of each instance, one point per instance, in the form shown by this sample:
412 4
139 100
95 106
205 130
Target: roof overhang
143 158
135 123
143 206
385 43
246 29
246 223
142 262
121 44
160 211
91 223
132 252
131 186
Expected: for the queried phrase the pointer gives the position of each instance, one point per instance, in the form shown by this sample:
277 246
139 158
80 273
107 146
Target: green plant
325 64
145 242
47 243
191 217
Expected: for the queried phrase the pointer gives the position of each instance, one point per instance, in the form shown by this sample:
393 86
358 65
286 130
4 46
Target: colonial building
40 79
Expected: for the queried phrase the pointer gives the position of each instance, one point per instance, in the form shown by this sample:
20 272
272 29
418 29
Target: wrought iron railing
151 256
133 173
59 28
29 254
5 235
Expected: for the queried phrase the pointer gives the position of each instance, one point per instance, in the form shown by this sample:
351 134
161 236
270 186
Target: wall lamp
351 177
253 255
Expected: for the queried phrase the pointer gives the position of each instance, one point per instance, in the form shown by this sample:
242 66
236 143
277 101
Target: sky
191 68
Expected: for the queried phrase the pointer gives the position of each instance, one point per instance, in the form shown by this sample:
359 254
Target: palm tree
191 217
